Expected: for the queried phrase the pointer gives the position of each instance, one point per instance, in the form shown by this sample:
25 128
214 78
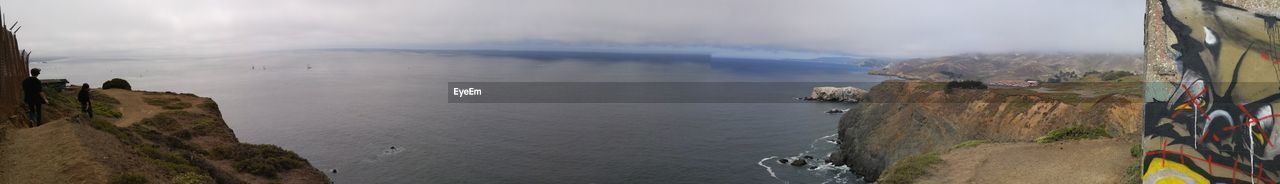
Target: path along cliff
140 137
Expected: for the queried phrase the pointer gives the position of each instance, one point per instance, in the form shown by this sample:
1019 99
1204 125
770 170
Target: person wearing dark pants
33 95
84 100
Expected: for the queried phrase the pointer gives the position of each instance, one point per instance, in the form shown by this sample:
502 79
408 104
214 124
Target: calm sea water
351 107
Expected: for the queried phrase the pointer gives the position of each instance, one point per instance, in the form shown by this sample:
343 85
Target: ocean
344 110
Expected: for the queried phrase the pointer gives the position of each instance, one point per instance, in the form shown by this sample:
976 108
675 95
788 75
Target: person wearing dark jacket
33 95
84 100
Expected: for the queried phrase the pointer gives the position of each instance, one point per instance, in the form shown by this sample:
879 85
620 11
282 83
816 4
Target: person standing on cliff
84 100
33 95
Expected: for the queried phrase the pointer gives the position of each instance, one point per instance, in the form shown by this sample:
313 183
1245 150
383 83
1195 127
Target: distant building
56 84
1015 83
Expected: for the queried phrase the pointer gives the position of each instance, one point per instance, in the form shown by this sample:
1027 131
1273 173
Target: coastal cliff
904 118
141 137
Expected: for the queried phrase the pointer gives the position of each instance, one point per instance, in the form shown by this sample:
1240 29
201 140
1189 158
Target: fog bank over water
910 28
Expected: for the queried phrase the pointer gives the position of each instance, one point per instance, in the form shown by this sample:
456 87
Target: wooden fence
13 68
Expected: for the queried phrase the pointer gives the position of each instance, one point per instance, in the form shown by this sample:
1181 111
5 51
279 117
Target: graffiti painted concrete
1209 116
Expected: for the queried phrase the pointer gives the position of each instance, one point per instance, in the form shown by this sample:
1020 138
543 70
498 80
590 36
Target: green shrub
910 168
966 84
167 103
161 121
1133 174
117 83
128 178
169 141
203 127
156 153
156 101
210 106
260 159
1074 133
177 105
1113 75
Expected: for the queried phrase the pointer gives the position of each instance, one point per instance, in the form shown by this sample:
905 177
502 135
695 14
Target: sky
890 28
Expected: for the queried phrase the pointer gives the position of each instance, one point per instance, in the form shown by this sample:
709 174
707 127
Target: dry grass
910 168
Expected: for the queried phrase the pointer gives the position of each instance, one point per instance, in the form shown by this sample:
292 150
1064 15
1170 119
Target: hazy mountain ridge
1008 66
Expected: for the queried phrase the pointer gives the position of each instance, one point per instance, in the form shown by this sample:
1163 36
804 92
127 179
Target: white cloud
885 28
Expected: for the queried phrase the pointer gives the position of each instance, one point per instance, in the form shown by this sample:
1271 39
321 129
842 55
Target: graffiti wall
1213 79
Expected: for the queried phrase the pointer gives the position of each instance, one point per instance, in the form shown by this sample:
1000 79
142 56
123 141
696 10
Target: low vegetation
1074 133
260 159
117 83
128 178
193 178
1133 175
210 106
969 144
167 102
965 84
64 104
1115 75
910 168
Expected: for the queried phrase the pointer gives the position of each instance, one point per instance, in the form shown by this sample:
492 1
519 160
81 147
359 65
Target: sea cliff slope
141 137
903 118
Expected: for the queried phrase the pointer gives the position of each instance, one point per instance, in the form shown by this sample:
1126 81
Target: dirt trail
51 153
1086 161
132 106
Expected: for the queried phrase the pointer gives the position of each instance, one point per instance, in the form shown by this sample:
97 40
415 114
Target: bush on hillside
1113 75
117 83
260 159
966 84
1074 133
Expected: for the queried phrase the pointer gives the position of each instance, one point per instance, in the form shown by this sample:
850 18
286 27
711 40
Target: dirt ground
1084 161
51 153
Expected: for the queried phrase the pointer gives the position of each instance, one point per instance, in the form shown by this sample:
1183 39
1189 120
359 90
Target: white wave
836 174
392 151
770 169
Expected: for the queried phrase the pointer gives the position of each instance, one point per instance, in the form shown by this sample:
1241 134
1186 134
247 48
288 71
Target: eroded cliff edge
141 137
903 118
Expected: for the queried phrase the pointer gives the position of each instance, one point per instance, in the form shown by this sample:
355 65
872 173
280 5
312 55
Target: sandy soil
1086 161
50 153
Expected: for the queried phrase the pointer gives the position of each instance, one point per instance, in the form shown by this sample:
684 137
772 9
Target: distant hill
867 62
1008 66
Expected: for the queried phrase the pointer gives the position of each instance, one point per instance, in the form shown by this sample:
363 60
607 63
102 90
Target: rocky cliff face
837 94
903 118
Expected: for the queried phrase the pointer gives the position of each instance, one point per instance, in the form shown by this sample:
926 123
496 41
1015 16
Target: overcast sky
896 28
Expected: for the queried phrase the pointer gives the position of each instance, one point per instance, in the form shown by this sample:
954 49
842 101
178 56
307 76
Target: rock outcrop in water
837 94
902 118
